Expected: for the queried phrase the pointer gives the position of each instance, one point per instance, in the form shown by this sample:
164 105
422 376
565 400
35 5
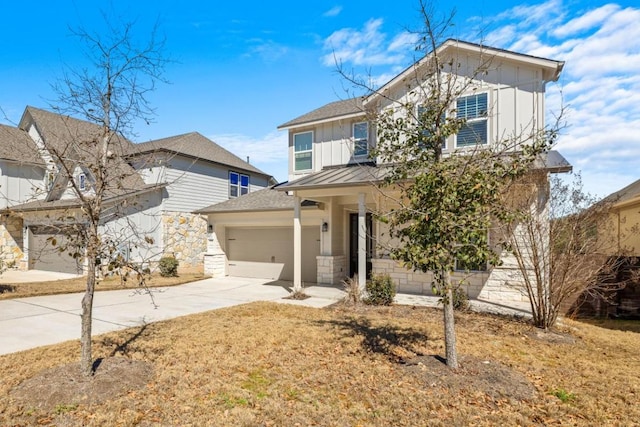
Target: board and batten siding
142 220
20 183
195 184
515 102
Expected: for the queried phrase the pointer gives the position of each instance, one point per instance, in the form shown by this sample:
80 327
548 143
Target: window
421 111
50 179
302 147
474 109
82 182
238 184
360 139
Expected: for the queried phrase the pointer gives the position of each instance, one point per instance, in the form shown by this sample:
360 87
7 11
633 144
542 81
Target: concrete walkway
36 321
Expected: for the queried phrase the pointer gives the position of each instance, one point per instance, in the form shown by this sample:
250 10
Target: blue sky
243 68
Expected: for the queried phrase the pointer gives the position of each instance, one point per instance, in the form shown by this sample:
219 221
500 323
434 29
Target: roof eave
320 121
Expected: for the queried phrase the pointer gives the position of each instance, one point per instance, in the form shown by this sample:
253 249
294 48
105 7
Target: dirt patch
64 387
299 295
474 375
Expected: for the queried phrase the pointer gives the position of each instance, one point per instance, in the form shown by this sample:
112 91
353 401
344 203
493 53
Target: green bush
168 266
380 290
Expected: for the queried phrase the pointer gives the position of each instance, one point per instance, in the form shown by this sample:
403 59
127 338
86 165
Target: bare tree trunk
86 360
449 326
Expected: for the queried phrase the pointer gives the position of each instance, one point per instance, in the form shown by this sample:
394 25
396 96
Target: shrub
380 290
168 266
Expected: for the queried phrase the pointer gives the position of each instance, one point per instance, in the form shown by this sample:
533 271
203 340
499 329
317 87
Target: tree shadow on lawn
391 341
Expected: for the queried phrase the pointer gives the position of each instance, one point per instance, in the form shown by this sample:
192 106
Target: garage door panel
43 255
268 252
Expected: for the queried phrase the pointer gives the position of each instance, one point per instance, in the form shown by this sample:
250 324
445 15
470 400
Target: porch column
362 241
297 245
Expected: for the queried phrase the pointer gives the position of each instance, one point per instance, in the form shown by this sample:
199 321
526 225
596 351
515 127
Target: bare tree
112 95
565 256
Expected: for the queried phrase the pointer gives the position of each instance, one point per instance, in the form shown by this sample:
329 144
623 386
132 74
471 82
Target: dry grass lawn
67 286
267 364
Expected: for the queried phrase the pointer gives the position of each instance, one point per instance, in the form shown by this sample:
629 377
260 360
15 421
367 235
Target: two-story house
318 226
152 190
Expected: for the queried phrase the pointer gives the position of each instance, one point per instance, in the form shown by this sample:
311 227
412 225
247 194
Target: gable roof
627 194
267 199
346 108
75 143
17 146
58 130
551 68
197 146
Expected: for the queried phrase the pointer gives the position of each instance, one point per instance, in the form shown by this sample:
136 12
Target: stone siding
185 237
215 260
412 282
11 241
331 269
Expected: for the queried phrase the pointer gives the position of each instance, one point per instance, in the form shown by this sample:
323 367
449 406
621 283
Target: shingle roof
16 145
59 130
629 192
332 110
267 199
195 145
42 205
75 141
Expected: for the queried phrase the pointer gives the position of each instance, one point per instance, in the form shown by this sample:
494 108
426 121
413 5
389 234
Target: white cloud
334 11
268 50
601 82
268 153
367 46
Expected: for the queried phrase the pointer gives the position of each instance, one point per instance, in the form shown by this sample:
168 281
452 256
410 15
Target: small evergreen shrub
168 266
380 290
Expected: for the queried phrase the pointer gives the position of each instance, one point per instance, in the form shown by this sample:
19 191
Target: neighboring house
619 241
152 190
318 227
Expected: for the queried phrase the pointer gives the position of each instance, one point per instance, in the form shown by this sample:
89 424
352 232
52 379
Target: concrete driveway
36 321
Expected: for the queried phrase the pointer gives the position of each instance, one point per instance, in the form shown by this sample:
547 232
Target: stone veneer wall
331 269
412 282
11 239
185 237
215 261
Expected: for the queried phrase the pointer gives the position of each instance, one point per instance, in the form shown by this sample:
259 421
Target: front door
353 243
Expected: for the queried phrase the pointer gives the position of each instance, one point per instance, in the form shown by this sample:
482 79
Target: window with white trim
238 184
82 182
421 110
303 154
360 139
474 109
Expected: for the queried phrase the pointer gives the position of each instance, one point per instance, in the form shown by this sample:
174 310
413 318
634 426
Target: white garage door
268 252
43 255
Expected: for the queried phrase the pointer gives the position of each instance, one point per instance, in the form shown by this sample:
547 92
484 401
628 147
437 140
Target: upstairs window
474 109
302 147
427 130
238 184
360 139
82 182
